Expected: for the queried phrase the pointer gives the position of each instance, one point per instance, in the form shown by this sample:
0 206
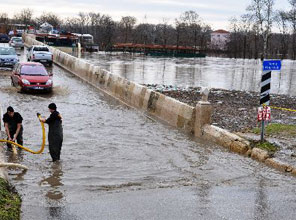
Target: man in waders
13 126
55 132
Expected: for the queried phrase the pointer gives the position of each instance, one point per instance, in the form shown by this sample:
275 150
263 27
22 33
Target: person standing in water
55 132
13 126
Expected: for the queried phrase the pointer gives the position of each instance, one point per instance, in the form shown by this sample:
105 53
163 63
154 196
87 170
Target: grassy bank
10 202
281 130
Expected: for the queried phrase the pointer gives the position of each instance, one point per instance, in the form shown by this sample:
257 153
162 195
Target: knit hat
52 106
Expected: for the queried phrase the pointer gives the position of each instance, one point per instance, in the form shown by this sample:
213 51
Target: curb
242 146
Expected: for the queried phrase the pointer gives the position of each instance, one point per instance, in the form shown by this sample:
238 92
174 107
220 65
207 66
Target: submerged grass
278 129
10 202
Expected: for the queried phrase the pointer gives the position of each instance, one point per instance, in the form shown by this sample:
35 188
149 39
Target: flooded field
212 72
119 164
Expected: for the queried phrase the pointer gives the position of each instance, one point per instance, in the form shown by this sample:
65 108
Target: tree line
252 35
189 29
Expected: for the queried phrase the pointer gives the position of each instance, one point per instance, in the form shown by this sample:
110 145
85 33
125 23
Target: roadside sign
264 113
272 65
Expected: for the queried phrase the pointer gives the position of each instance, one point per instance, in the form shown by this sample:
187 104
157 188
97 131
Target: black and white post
264 95
268 67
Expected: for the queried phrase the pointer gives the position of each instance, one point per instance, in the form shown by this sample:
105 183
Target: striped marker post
268 67
265 87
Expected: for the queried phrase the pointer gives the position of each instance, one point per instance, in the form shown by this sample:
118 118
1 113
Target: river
211 72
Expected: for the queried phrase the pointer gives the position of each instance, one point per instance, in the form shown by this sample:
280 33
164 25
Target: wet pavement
212 72
118 164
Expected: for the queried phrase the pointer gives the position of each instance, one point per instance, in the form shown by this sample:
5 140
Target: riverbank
10 202
236 111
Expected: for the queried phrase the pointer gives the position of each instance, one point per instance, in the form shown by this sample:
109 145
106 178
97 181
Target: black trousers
55 146
19 138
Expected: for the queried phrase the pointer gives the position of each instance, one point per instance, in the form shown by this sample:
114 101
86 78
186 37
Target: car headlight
49 82
26 82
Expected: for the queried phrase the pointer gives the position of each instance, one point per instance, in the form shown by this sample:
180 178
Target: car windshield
7 51
17 39
33 70
87 38
40 49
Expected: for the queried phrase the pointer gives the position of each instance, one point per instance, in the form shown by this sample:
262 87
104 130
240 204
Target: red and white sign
264 113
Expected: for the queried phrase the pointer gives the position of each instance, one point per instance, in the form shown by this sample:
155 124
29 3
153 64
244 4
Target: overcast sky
213 12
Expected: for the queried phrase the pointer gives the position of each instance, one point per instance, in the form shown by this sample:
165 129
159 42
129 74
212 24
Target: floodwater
211 72
119 164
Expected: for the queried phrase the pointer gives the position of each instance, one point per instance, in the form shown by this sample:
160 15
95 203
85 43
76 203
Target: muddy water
213 72
118 164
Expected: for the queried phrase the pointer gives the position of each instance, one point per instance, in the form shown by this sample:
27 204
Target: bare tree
127 23
180 32
164 33
144 33
192 22
84 21
106 32
292 19
50 18
282 23
261 13
4 18
235 37
25 16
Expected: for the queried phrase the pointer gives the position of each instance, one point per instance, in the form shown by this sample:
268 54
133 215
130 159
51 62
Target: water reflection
55 212
54 181
213 72
18 159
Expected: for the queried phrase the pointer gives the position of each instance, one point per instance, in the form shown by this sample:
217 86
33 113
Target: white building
46 27
219 39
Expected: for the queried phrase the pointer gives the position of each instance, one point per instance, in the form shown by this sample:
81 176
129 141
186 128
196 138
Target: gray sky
213 12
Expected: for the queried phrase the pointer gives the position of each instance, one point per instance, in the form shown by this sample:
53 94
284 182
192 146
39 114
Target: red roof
221 31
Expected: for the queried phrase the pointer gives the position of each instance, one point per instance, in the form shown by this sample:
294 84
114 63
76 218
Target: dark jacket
55 126
12 122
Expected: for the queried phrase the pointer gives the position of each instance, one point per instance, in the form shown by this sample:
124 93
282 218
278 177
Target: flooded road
118 164
212 72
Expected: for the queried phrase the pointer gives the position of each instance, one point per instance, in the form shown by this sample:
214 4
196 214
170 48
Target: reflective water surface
212 72
118 164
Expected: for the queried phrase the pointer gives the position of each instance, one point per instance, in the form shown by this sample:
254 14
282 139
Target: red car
31 76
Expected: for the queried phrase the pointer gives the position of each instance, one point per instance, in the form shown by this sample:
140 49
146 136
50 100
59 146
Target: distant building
6 28
219 39
46 27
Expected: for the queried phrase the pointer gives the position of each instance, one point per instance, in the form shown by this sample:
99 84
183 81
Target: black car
4 38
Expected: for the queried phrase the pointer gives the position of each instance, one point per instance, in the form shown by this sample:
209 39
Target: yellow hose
27 149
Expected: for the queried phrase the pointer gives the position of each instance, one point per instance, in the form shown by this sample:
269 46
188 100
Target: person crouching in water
13 126
55 132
